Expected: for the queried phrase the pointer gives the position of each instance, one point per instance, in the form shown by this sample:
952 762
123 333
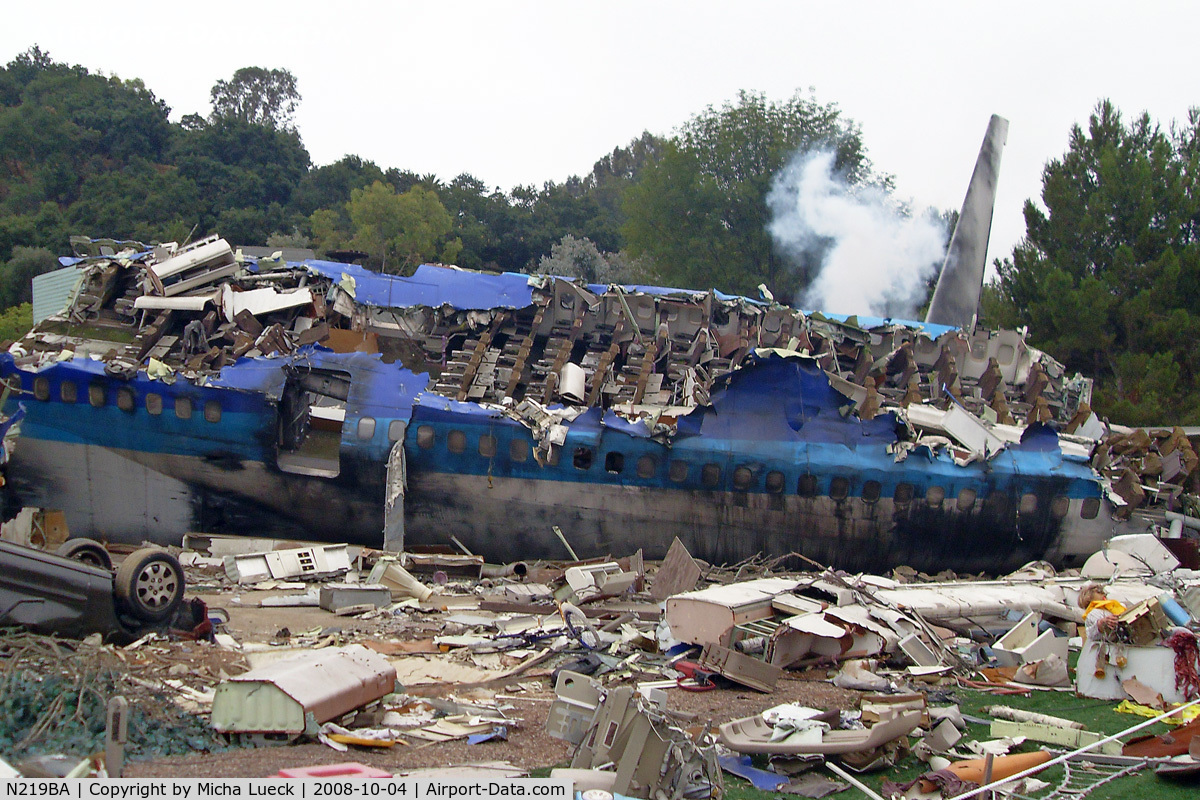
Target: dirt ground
528 746
525 697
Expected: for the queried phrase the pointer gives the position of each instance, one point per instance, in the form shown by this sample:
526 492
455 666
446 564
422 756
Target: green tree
257 96
580 258
18 272
330 186
60 125
140 202
700 210
399 231
237 165
1108 276
15 322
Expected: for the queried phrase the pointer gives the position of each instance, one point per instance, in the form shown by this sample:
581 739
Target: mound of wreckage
647 354
437 650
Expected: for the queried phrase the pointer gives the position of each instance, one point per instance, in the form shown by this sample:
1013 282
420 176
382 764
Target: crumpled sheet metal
289 696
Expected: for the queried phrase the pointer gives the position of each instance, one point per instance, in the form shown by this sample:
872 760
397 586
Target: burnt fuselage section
183 391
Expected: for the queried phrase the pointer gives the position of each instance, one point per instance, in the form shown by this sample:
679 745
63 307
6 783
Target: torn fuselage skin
625 415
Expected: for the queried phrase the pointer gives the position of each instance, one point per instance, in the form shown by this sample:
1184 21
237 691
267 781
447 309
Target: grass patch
1095 714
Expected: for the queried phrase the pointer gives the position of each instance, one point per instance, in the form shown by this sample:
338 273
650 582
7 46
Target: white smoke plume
860 252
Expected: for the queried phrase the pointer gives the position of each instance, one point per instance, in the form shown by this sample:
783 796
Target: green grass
1095 714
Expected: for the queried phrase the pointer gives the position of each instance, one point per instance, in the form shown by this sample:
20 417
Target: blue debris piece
498 733
762 779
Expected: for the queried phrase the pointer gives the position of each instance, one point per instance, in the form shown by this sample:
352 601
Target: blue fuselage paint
772 465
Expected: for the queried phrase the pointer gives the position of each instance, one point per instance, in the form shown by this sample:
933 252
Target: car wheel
149 584
87 551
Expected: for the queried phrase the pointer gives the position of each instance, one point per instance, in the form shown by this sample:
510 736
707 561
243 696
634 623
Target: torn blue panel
81 363
729 298
762 779
1039 436
867 323
70 261
455 408
637 428
497 734
594 422
431 286
376 388
748 404
591 421
13 420
665 291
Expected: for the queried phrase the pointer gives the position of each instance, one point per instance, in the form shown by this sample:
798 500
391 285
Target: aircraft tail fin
956 298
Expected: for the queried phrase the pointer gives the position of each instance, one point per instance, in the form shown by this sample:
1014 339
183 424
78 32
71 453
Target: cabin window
775 482
934 495
1029 504
998 503
518 450
583 457
487 445
614 462
125 399
96 394
839 488
395 430
1090 508
966 499
366 427
904 493
68 392
154 403
183 407
1006 354
425 437
710 476
1059 507
742 478
871 491
646 467
807 485
456 442
41 387
212 413
567 300
678 471
772 324
554 455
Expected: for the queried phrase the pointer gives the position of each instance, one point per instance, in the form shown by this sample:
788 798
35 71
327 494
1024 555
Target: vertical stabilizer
956 298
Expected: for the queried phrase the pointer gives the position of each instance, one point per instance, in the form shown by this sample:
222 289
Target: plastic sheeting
430 286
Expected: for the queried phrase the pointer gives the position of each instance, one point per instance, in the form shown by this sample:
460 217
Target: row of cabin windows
366 429
743 477
97 395
127 401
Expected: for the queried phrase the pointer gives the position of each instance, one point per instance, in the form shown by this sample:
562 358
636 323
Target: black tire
87 551
149 584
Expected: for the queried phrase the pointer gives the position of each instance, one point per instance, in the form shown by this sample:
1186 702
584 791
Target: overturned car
76 591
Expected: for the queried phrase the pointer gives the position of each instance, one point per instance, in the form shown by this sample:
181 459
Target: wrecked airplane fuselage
290 400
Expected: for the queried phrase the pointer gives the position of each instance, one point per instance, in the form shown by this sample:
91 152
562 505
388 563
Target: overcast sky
526 92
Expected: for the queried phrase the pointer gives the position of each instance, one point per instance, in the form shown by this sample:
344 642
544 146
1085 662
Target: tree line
1106 277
